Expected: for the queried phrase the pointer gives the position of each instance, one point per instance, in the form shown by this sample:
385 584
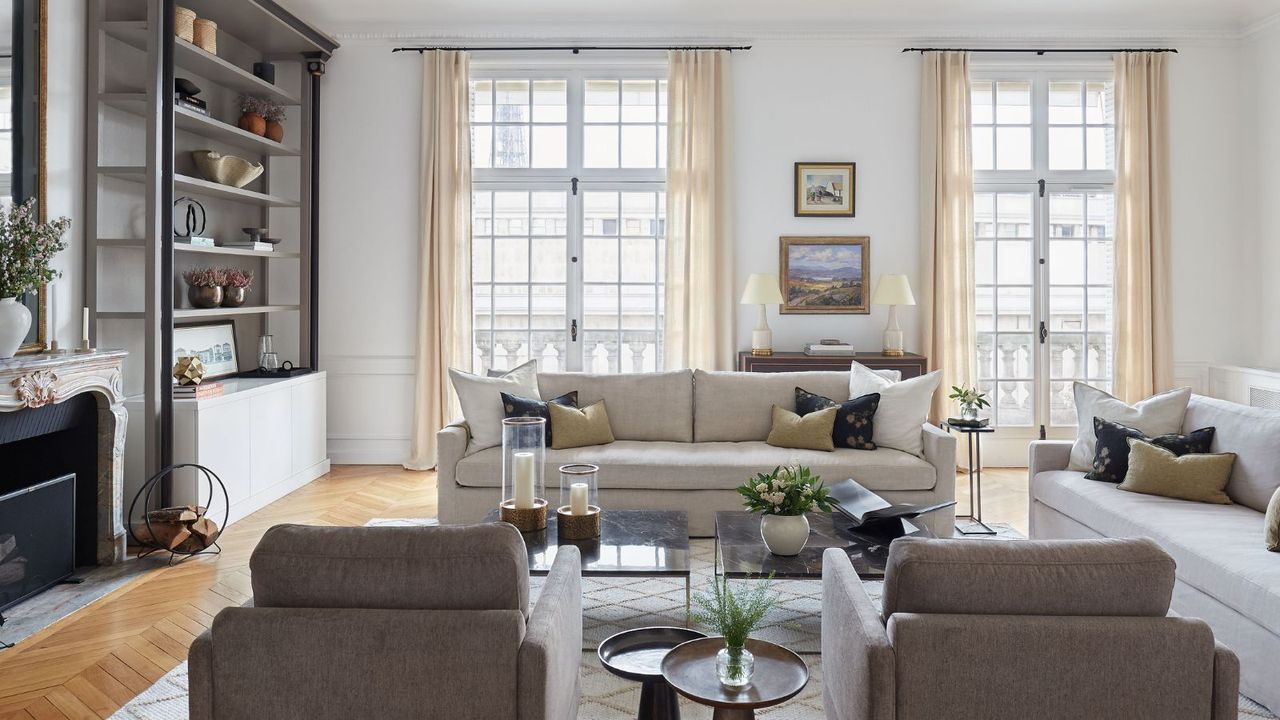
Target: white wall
65 158
1261 148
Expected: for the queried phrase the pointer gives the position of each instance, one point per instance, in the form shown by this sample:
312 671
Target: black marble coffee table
741 553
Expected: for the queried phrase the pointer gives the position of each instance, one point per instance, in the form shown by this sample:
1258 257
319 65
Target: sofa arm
200 677
1226 683
858 681
451 447
552 647
1048 455
940 452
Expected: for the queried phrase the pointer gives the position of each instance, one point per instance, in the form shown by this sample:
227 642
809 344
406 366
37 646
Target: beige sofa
1225 574
685 439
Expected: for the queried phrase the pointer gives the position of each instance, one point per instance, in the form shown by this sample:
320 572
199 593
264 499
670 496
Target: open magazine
874 515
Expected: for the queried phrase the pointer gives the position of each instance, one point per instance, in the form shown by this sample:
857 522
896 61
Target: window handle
1044 332
573 331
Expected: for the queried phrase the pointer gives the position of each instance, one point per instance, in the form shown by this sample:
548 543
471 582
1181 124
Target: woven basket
184 23
206 34
226 169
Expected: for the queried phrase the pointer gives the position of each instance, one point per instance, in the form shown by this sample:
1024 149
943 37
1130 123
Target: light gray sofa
394 622
685 439
1058 630
1225 574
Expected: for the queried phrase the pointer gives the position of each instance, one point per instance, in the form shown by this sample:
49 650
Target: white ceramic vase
784 534
15 321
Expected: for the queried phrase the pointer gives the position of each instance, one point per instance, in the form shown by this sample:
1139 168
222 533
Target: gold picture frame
825 189
826 275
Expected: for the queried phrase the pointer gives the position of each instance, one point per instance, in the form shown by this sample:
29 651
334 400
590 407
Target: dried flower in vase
205 277
235 277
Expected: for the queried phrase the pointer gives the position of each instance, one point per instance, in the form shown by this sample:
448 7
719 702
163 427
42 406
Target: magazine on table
871 513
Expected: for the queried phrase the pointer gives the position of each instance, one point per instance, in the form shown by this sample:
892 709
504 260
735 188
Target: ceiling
709 17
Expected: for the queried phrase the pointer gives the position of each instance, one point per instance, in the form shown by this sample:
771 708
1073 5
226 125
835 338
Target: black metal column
166 241
315 68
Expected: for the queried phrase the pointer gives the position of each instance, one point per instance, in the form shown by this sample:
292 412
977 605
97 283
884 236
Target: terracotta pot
204 297
233 296
254 123
275 131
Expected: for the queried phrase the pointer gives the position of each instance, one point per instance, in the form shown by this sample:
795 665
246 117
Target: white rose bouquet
788 490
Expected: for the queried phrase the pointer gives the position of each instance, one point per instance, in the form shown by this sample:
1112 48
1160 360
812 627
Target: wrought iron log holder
149 544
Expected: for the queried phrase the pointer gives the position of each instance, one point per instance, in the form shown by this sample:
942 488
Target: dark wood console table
910 365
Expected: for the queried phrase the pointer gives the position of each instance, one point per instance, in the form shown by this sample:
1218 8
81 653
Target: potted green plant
971 401
27 247
204 286
236 286
782 498
734 615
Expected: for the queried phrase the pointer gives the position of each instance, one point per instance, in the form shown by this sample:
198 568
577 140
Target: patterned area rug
614 604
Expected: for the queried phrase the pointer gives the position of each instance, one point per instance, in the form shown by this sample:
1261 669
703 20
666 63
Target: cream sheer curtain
444 263
1143 325
946 222
699 321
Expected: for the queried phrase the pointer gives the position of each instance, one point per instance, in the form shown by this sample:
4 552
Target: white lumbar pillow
481 399
1157 415
904 406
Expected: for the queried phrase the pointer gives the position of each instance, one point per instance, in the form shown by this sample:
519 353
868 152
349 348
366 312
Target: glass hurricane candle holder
578 516
523 488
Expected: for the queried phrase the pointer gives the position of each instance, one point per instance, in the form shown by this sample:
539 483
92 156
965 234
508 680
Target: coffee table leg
658 701
733 714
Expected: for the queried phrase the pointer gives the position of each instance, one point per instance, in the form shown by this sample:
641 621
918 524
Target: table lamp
893 290
762 289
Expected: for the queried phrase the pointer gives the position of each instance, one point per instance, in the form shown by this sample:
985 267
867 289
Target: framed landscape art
825 189
214 343
825 275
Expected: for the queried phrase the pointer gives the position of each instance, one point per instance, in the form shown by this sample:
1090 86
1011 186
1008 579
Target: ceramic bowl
226 169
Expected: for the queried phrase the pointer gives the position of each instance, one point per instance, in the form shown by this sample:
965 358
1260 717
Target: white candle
84 326
578 499
51 321
522 474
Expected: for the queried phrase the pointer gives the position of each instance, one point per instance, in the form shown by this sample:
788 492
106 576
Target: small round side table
637 655
779 676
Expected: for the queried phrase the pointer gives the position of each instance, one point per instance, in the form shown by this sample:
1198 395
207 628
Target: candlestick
522 471
84 327
578 499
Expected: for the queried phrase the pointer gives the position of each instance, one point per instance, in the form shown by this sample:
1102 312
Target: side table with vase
691 669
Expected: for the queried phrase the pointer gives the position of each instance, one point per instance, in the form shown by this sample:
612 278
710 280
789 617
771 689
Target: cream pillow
803 432
577 428
1199 477
1272 523
904 406
1157 415
481 400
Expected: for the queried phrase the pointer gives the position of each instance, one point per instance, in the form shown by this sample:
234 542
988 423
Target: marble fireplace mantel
32 381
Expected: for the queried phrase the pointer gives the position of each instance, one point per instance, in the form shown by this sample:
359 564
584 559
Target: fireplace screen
37 538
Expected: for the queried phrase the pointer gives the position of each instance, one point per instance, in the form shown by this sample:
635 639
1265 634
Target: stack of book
205 390
833 348
248 245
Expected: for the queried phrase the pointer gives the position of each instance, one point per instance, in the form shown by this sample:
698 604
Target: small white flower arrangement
788 490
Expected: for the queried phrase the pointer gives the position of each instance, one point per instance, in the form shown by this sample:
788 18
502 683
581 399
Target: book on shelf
202 391
195 240
248 245
841 350
192 104
962 423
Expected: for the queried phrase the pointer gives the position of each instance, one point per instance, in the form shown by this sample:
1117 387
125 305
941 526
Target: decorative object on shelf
275 116
830 348
265 71
893 290
189 370
182 531
193 217
762 289
578 517
203 391
27 247
214 343
284 369
204 286
251 115
825 275
255 234
226 169
734 614
266 344
825 189
971 402
206 35
184 95
270 362
783 497
184 23
523 453
84 331
236 288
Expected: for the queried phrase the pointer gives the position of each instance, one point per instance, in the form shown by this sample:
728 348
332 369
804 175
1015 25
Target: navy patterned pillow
854 421
516 406
1111 456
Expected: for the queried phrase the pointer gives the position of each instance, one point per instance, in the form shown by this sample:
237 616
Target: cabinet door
223 432
272 439
310 430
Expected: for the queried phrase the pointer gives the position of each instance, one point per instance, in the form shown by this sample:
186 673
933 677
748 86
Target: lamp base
761 351
525 519
762 341
892 353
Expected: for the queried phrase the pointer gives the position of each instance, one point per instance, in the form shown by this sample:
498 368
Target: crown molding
1261 27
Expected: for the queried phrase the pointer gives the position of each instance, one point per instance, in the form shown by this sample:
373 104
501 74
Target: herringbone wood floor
93 662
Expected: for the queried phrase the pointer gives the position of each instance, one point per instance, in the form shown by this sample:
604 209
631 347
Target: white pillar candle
578 499
84 326
522 475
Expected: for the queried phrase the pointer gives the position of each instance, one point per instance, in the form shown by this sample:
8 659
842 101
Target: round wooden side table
637 655
779 675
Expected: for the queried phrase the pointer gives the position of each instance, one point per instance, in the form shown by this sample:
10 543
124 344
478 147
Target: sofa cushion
811 431
1157 415
1216 547
738 406
1111 452
1199 477
1253 434
708 466
855 423
642 406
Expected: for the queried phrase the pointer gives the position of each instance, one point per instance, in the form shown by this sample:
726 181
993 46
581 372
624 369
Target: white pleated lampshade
762 289
893 290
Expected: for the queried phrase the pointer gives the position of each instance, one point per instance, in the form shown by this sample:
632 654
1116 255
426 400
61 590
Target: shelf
241 252
265 26
201 187
192 59
203 125
188 313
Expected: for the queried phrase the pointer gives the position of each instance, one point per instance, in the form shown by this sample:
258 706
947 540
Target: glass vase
734 666
969 413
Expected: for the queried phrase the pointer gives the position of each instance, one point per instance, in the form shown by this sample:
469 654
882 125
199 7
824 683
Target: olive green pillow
1201 477
576 428
1273 523
803 432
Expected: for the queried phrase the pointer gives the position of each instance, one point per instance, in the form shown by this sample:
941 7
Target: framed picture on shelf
825 275
825 189
213 342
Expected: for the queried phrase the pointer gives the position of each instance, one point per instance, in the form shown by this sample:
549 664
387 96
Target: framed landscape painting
825 189
214 343
825 275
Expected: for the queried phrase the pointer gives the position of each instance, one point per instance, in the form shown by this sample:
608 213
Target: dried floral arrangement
27 247
205 277
268 109
235 277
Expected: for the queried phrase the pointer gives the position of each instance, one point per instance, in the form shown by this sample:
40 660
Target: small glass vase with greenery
734 614
971 401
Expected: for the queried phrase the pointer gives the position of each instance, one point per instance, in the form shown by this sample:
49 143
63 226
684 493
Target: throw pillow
514 406
1157 415
1199 477
481 399
1272 523
578 428
903 409
855 419
1111 458
808 432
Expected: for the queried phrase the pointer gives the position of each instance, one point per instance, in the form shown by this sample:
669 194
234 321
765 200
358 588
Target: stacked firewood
13 567
182 529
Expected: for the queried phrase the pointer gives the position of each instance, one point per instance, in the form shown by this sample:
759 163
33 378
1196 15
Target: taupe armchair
990 630
394 622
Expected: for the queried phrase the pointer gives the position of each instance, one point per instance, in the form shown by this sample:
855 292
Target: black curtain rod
1042 51
575 49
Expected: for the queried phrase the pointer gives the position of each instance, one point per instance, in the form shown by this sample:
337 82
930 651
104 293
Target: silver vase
204 297
233 296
